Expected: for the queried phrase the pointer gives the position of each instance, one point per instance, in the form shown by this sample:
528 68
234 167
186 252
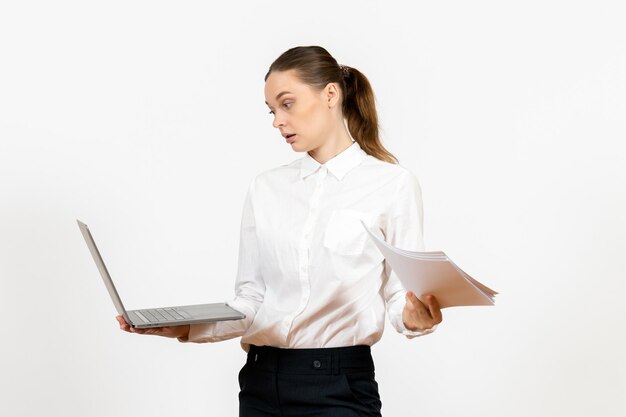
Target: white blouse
309 276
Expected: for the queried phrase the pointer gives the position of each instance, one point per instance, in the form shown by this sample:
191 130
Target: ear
330 95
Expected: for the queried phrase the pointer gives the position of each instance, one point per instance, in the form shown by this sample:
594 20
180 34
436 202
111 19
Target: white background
147 121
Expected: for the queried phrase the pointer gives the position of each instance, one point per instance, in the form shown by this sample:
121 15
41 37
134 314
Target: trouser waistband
329 361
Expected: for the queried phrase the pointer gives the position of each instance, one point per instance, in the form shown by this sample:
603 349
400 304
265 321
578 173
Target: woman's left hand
419 316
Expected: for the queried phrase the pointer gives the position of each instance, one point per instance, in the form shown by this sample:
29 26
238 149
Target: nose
278 121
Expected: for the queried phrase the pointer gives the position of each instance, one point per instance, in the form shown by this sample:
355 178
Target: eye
286 103
271 112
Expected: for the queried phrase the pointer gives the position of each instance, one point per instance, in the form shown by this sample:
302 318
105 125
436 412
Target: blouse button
317 364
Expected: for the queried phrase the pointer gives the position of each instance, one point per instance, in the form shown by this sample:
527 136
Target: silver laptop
163 316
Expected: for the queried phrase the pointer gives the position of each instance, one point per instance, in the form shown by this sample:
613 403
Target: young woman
312 284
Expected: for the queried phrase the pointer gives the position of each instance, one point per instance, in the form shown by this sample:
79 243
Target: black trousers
324 382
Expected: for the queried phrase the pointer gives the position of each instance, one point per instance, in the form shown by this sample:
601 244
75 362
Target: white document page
434 273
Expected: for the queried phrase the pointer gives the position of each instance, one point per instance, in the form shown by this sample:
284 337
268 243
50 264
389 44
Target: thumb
416 303
412 298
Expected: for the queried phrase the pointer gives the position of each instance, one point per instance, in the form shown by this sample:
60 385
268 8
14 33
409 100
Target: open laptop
163 316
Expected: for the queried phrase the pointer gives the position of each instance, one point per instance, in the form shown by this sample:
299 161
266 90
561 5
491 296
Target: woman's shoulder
278 172
387 169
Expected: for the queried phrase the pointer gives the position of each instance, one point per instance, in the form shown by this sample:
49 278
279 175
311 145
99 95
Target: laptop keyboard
162 314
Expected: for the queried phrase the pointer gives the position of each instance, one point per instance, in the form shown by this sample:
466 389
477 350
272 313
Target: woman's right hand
165 331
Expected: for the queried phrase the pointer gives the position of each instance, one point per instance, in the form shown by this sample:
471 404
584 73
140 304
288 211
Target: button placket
305 241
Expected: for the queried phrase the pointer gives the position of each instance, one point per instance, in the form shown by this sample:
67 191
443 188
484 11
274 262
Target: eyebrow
279 95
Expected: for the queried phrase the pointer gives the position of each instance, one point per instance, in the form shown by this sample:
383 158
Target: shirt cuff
411 334
198 333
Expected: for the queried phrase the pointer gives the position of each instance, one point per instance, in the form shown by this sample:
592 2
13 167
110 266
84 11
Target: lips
289 137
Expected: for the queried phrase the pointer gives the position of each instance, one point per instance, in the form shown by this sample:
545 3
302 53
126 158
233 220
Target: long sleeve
249 285
403 229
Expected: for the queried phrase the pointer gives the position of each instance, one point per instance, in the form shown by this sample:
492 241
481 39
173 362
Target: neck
333 146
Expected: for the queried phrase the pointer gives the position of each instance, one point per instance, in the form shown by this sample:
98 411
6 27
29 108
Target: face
301 111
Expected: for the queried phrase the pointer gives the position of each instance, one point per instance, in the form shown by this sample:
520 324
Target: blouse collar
339 165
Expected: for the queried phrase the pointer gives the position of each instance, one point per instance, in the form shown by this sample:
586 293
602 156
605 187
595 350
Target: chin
298 147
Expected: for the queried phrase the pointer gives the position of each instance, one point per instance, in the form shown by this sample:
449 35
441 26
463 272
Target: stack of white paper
434 273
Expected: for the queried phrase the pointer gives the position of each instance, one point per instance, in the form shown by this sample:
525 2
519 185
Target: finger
433 307
123 325
121 320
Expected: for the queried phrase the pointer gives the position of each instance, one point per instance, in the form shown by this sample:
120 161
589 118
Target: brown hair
316 67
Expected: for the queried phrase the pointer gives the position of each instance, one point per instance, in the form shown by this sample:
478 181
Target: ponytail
359 109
